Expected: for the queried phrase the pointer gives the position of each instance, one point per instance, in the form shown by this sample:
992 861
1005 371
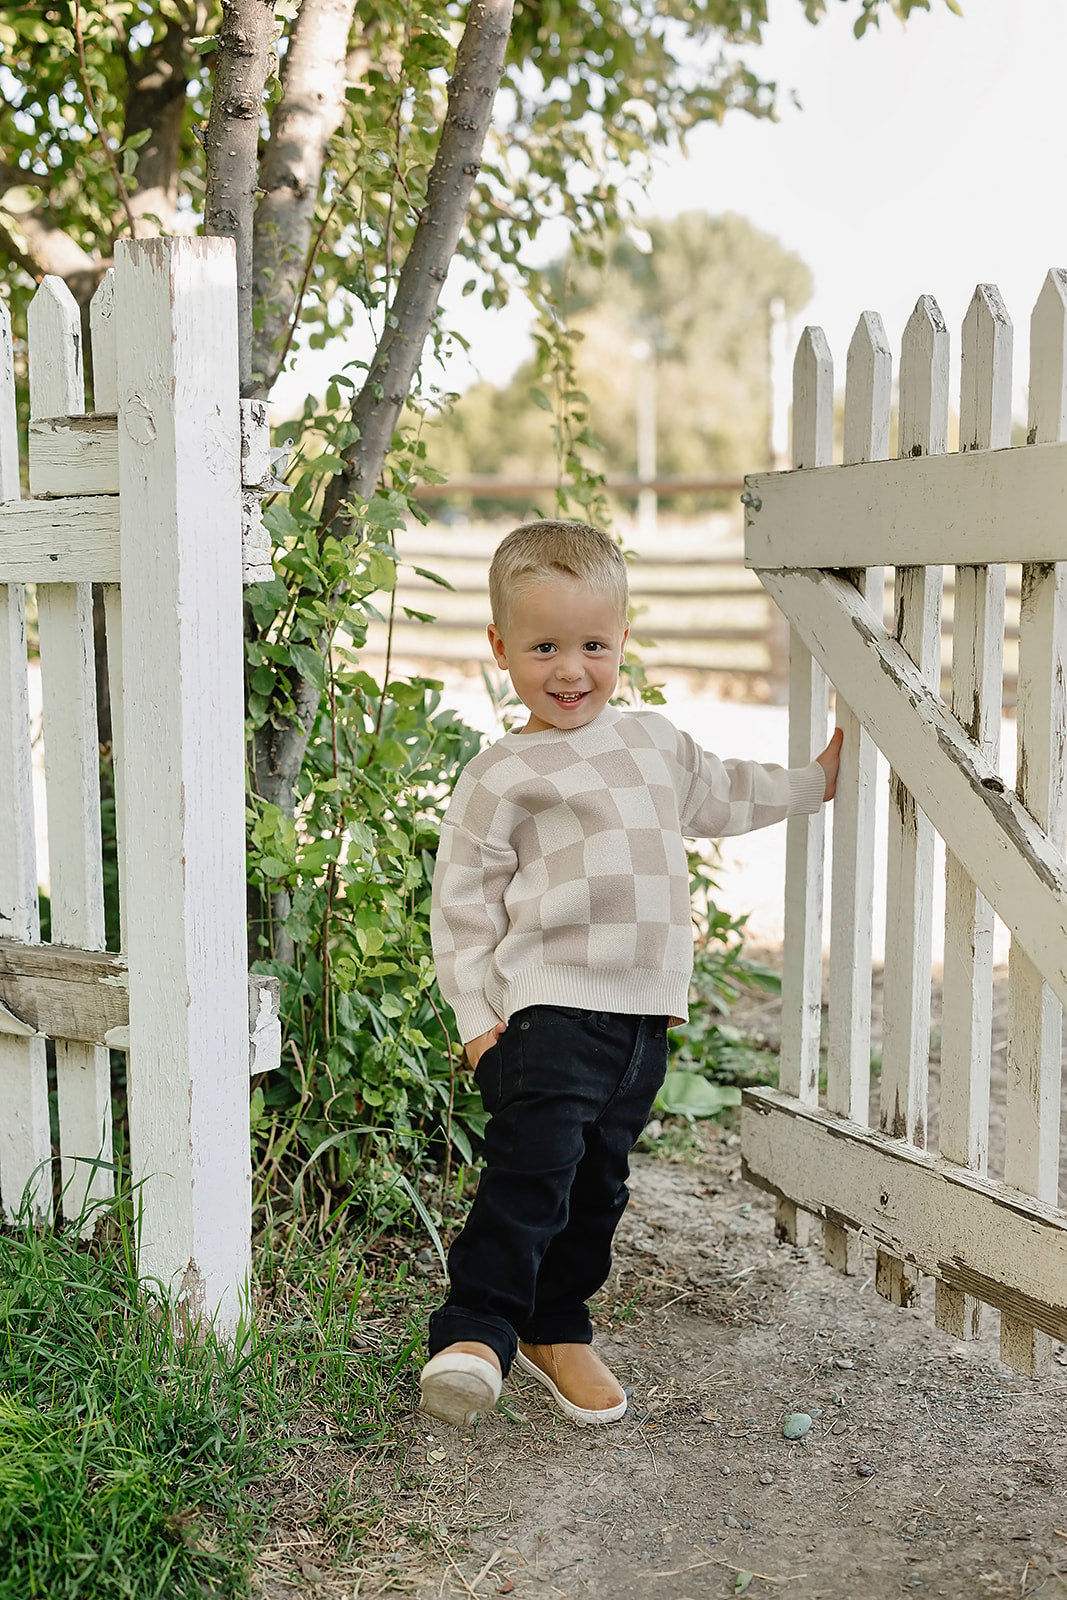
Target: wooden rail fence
146 497
821 538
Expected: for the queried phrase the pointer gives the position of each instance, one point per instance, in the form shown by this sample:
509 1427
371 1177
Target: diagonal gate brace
1010 858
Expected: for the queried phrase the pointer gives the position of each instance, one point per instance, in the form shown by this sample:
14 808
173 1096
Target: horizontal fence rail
876 564
698 608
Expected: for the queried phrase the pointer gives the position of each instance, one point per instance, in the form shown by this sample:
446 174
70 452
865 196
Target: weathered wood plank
868 398
103 353
74 456
813 411
903 1088
60 541
180 478
1014 863
1000 505
977 667
1034 1012
981 1237
25 1137
64 993
72 776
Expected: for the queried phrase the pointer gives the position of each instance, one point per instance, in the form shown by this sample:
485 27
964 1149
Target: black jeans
568 1093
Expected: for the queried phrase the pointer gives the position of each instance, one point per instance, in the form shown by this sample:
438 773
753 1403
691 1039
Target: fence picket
868 396
977 674
180 484
25 1140
65 622
922 430
103 353
1034 1013
813 420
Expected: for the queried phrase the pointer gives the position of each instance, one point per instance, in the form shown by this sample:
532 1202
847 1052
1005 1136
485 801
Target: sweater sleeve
468 919
727 797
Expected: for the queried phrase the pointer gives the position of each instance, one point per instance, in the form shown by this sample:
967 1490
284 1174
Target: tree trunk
279 750
471 92
305 119
232 143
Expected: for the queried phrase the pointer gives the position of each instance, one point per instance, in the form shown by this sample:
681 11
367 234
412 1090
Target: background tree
693 296
370 164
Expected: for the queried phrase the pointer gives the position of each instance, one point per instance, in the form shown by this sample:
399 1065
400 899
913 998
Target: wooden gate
822 538
143 497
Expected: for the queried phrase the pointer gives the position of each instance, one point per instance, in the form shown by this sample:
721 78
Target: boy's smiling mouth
568 698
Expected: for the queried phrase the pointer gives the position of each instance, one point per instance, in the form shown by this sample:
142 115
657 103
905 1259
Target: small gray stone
796 1425
729 1521
766 1477
864 1470
725 1471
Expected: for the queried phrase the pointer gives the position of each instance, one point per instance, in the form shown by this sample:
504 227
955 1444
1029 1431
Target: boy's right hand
476 1048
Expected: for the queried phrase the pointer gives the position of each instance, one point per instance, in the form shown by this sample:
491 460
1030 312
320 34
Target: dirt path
929 1468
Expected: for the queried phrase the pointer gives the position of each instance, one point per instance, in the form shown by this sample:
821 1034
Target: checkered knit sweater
561 877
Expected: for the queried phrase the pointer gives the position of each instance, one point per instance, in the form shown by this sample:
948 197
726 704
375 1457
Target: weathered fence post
180 497
977 675
909 908
868 396
1031 1157
72 769
25 1140
809 706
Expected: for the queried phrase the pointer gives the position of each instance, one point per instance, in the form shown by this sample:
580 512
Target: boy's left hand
829 760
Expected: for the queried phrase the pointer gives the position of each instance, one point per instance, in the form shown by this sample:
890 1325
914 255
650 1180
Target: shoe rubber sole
578 1414
456 1387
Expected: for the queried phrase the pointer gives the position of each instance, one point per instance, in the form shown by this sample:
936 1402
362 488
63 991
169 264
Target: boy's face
562 644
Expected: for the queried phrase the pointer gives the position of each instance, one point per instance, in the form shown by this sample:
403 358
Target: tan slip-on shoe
579 1382
460 1381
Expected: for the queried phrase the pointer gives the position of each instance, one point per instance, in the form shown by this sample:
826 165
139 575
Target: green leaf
391 1005
743 1581
309 664
271 867
382 570
687 1094
370 940
433 577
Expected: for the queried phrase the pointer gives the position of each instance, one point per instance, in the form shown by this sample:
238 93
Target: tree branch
376 409
157 78
279 749
101 134
232 143
37 248
304 121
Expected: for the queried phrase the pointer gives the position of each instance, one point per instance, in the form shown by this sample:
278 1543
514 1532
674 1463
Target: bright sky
924 159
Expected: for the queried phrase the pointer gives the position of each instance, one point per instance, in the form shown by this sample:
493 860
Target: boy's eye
544 649
594 644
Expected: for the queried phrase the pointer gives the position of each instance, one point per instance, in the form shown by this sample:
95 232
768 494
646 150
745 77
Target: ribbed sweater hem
625 990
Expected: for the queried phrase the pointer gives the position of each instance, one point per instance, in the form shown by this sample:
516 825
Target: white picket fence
821 538
145 498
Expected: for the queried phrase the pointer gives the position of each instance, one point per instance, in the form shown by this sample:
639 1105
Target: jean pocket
487 1077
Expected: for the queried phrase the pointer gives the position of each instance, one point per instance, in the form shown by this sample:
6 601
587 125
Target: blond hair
537 551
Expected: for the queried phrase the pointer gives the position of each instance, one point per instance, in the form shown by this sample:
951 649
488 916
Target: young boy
562 935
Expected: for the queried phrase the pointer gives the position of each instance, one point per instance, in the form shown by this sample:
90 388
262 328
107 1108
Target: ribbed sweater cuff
807 785
474 1016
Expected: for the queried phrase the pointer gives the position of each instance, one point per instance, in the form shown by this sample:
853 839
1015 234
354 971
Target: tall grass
134 1464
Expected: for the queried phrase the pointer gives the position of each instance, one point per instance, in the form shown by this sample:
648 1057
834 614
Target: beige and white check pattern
561 877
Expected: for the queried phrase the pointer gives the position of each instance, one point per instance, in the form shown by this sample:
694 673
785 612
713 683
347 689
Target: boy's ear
622 647
496 644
